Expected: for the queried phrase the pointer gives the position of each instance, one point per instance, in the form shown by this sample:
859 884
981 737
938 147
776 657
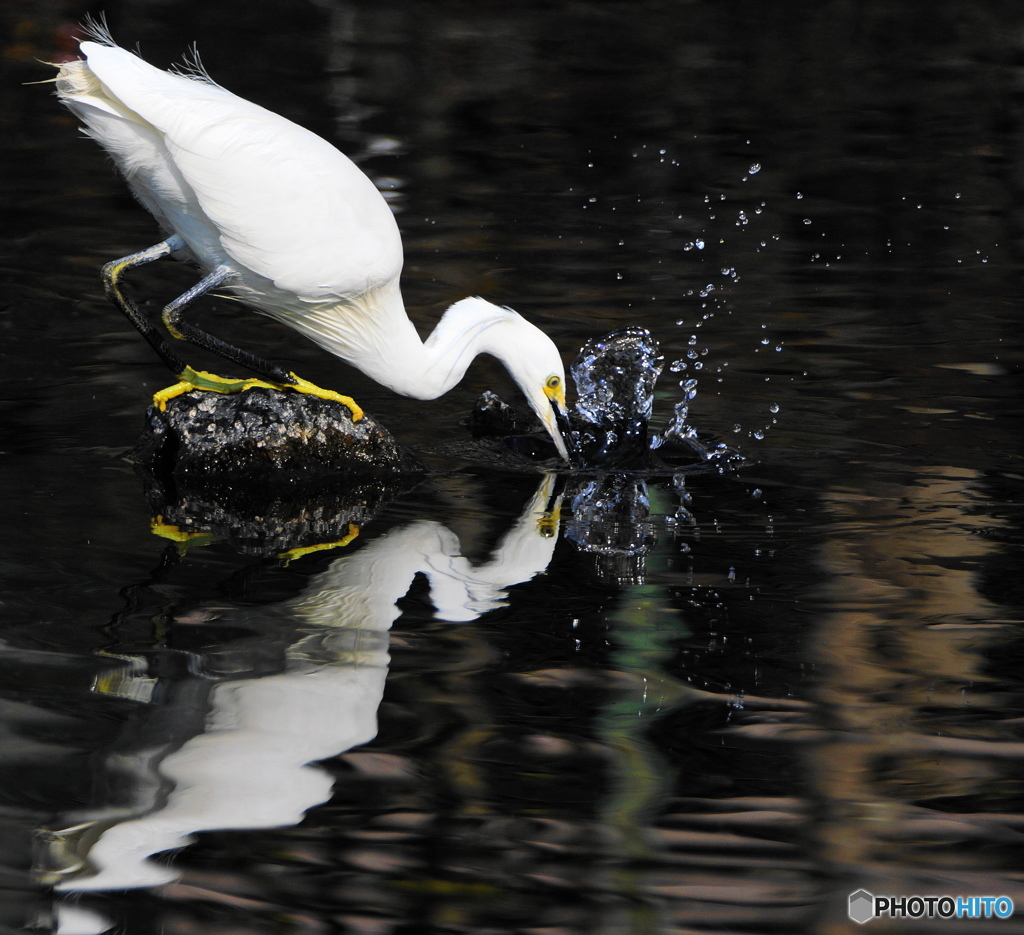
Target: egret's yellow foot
190 379
292 554
304 386
176 534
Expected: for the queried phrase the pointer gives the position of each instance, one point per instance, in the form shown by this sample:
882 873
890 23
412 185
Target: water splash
607 429
615 377
680 427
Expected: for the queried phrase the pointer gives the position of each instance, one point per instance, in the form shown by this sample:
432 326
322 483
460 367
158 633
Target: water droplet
699 244
799 195
688 246
807 220
677 366
755 167
774 407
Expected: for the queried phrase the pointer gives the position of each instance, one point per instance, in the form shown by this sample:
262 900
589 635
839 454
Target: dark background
845 177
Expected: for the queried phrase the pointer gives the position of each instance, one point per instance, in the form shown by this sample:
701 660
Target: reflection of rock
266 436
266 522
208 752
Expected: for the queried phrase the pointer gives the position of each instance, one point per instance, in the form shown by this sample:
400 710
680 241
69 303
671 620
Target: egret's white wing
288 205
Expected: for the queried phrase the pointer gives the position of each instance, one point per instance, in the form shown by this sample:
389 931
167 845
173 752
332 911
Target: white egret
290 226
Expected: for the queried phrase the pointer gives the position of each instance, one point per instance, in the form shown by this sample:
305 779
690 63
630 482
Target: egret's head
475 326
536 366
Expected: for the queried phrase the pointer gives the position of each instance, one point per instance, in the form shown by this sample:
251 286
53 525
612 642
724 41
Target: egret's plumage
304 236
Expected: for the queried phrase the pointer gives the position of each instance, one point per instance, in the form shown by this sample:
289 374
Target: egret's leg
276 377
112 273
179 327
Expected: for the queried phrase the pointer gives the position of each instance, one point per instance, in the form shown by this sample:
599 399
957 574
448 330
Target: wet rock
278 438
493 418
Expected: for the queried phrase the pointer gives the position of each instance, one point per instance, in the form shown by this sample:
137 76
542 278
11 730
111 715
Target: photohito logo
864 907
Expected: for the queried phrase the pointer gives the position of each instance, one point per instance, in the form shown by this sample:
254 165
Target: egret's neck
375 335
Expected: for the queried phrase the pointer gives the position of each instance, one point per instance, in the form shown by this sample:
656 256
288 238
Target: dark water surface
804 679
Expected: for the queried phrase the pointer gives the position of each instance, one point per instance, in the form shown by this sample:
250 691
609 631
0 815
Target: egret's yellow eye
553 383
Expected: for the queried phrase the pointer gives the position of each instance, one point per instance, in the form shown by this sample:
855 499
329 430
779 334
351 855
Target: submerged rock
493 418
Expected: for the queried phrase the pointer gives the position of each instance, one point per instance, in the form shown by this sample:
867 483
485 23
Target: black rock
274 437
494 418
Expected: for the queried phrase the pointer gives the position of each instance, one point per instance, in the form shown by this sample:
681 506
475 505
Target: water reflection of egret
248 768
285 222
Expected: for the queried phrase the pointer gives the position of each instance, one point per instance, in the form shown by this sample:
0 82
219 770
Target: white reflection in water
249 768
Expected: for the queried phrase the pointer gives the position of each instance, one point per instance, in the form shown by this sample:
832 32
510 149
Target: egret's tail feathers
95 28
78 87
191 67
135 145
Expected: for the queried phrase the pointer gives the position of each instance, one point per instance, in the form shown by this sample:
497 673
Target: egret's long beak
557 422
551 421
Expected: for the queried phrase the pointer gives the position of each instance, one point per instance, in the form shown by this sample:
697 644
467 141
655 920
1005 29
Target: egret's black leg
275 377
179 327
112 273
